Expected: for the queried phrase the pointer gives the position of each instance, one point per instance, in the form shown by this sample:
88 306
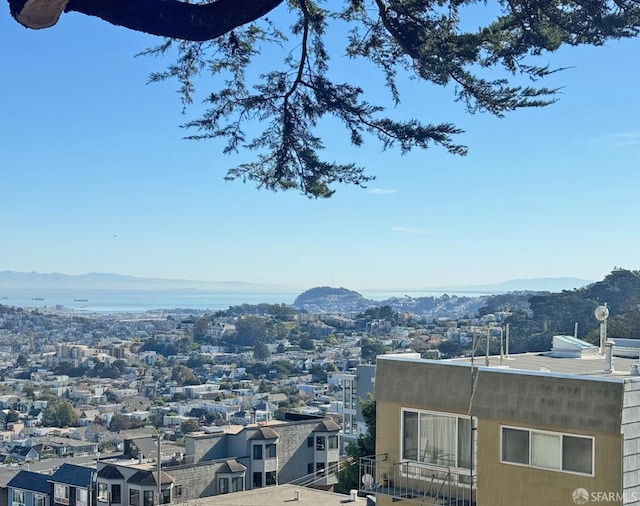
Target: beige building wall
510 484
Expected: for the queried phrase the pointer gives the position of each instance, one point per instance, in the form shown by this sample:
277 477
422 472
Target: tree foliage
365 446
548 314
59 413
276 113
123 422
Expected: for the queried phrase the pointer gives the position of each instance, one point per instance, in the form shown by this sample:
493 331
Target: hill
327 299
106 281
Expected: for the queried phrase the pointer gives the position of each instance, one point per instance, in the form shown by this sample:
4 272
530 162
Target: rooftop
281 494
591 367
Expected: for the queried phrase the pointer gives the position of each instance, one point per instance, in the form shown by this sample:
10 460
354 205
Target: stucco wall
535 401
546 400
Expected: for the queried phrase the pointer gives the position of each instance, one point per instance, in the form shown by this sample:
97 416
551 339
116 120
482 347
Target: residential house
223 460
28 488
72 485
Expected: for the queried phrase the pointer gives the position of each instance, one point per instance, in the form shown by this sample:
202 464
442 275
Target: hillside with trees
536 318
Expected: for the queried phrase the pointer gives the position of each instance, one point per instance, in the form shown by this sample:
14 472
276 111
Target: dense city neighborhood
172 406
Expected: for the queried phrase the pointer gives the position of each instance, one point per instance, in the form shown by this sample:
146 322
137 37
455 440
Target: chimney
608 356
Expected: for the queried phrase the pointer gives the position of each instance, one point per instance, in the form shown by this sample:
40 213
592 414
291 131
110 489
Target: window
577 454
257 480
38 500
257 452
237 484
165 496
271 451
82 497
103 492
61 494
134 497
436 438
116 494
547 450
18 497
270 478
223 485
310 468
148 497
310 442
178 490
320 466
333 467
320 443
333 442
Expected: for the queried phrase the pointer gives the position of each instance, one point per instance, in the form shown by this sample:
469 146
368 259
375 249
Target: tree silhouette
277 113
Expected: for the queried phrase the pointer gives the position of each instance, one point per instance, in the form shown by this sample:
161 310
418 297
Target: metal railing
424 484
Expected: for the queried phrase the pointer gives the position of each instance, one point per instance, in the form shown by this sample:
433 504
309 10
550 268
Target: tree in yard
182 375
59 413
276 112
123 422
189 426
365 446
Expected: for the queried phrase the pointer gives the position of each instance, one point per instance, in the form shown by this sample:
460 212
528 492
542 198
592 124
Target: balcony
424 484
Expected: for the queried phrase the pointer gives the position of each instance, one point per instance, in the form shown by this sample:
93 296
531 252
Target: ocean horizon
105 301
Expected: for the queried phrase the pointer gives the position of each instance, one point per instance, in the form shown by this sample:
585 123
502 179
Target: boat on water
81 300
37 298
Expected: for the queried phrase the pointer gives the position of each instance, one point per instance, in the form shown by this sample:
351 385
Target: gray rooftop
282 494
537 362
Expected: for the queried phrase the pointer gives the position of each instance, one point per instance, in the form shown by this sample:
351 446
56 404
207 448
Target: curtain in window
437 439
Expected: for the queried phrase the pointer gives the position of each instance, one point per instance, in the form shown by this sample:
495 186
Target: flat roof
281 494
538 363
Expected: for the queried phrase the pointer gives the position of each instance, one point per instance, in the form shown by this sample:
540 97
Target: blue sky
97 178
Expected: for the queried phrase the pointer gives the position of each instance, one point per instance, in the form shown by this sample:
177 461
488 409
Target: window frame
82 497
321 443
270 451
134 492
102 492
116 493
257 452
561 436
39 500
18 492
60 499
332 442
454 416
237 483
145 497
270 478
223 485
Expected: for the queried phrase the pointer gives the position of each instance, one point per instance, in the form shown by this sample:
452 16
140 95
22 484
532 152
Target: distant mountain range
519 285
106 281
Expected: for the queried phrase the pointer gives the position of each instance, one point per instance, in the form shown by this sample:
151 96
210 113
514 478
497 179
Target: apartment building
524 430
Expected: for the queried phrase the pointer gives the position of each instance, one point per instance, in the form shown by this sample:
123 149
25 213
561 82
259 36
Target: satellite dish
367 480
601 313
